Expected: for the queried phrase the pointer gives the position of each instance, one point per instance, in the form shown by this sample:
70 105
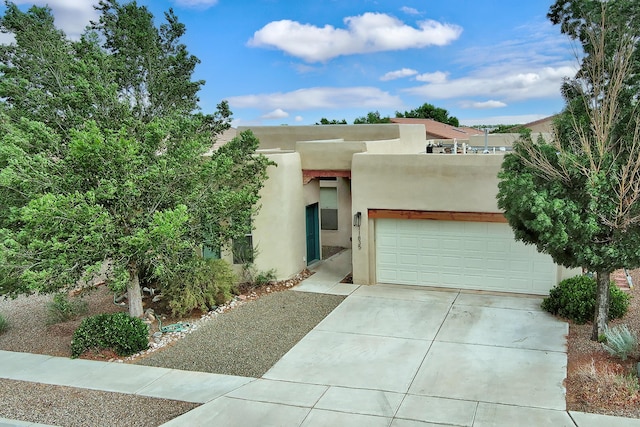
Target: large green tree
430 111
578 197
325 121
372 117
152 68
103 162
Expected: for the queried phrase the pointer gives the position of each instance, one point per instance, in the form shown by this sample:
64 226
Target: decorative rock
162 340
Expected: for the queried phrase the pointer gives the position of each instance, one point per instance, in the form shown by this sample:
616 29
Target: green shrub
62 308
264 277
620 341
575 299
119 332
4 323
199 284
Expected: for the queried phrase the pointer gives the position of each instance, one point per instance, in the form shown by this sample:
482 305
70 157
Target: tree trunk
134 293
603 278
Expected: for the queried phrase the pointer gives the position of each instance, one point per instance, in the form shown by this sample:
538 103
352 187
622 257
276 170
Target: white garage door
458 254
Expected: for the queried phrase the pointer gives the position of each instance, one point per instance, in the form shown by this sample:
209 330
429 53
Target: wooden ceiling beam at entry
437 215
309 174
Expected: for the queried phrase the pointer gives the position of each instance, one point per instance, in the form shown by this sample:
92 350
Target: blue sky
294 62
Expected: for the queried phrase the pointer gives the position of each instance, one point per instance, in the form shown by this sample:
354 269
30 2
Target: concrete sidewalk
387 356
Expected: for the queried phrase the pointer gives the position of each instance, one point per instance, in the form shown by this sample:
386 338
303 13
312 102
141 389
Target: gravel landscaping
249 339
74 407
245 340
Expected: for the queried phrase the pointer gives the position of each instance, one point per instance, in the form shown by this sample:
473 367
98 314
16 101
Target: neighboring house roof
437 130
542 125
222 139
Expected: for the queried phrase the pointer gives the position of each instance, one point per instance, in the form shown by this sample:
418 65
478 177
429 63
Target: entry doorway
313 233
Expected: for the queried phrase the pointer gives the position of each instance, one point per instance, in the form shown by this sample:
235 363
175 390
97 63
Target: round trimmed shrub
575 299
119 332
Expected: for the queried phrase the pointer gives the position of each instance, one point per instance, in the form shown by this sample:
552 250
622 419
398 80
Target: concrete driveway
389 355
404 356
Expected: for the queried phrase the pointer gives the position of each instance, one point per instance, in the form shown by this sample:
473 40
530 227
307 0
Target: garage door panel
475 263
450 262
475 245
408 276
430 259
408 242
468 255
408 260
429 243
523 266
387 241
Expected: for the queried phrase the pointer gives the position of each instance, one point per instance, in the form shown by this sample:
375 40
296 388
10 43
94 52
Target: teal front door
313 234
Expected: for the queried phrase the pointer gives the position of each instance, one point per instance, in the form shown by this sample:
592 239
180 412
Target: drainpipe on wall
486 141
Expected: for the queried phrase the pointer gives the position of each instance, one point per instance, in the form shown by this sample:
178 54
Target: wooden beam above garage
437 215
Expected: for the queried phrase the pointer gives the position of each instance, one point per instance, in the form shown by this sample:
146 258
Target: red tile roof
437 130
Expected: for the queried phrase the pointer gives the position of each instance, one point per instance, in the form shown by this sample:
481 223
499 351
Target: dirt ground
597 382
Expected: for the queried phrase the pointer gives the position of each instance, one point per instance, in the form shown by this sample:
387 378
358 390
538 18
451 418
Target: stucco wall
311 192
285 137
419 182
328 155
503 139
279 233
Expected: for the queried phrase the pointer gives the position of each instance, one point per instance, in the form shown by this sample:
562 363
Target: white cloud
370 32
319 97
7 38
299 118
278 113
202 4
398 74
71 16
507 84
410 10
436 77
304 68
482 105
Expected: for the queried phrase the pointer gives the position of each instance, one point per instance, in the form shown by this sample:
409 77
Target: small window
329 208
243 247
210 253
243 250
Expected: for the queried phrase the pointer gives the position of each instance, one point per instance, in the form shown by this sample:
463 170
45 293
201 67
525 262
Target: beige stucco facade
372 167
435 182
279 227
503 139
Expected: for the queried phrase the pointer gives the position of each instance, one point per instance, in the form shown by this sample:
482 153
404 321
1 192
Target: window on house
210 253
328 208
243 248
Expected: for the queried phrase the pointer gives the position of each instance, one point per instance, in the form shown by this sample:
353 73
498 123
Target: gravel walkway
249 339
245 341
74 407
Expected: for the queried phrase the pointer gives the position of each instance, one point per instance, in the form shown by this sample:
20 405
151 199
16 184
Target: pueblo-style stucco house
409 217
